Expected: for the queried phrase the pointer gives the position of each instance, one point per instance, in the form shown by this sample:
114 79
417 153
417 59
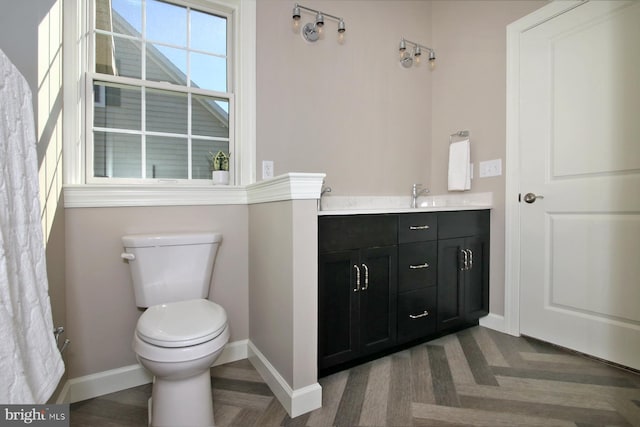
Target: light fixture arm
415 45
308 9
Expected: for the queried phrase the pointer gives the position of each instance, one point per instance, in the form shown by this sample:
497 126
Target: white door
579 135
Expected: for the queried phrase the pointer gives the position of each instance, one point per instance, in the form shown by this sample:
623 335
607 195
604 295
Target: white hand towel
459 166
30 363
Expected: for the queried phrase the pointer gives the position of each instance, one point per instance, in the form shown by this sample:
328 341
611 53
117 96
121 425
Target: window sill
291 186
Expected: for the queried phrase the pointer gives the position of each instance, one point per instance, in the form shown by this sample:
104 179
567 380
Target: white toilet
181 333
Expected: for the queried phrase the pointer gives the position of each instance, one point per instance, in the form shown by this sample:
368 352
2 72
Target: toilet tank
170 267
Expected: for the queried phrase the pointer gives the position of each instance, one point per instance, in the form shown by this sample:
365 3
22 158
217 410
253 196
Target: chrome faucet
322 191
416 192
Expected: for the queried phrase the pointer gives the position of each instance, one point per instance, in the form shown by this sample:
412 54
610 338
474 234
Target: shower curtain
30 364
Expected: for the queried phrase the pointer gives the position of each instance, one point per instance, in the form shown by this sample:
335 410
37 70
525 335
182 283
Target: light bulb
341 38
295 26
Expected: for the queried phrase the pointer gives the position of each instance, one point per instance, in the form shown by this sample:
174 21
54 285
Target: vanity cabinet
463 268
389 280
357 287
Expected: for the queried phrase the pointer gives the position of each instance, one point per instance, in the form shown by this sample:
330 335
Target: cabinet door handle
366 277
415 267
419 227
470 259
417 316
465 258
357 288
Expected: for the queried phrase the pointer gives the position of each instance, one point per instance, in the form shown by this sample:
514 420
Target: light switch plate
491 168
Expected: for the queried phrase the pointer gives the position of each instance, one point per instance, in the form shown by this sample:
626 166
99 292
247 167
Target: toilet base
181 389
182 403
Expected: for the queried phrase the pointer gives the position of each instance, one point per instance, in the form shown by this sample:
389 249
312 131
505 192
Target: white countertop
358 205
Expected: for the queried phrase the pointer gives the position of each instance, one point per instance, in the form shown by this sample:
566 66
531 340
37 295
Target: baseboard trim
494 321
295 402
105 382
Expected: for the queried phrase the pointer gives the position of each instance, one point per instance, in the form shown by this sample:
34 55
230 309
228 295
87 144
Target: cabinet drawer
463 224
417 265
416 314
338 233
417 227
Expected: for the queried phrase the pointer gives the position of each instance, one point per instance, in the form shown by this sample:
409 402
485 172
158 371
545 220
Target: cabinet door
338 308
450 283
477 278
378 296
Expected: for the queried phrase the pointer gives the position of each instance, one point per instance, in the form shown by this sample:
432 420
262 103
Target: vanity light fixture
407 58
311 31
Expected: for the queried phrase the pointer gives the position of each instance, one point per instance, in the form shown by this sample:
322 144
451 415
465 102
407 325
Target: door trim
511 322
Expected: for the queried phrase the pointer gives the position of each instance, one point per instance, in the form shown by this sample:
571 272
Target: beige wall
270 296
283 291
351 111
101 312
347 110
469 92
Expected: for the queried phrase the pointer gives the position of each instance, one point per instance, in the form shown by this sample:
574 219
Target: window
162 89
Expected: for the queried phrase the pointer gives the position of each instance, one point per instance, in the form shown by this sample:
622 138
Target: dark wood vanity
388 281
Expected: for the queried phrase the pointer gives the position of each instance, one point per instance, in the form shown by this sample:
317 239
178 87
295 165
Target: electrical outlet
267 169
491 168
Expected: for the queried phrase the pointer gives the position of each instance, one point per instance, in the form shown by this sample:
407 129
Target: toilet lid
181 324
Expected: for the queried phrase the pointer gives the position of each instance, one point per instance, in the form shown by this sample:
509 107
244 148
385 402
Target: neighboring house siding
119 155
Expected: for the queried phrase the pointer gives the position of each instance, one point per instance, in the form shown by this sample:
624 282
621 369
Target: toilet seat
180 355
181 324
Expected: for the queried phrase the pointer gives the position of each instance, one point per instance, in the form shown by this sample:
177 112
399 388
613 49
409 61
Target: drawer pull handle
419 227
357 288
417 316
415 267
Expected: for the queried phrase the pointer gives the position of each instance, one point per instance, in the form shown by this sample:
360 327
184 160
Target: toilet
181 333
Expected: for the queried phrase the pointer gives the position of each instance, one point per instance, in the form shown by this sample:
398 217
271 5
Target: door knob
530 197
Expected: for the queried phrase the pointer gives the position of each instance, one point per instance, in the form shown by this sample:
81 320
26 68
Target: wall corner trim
295 402
105 382
289 186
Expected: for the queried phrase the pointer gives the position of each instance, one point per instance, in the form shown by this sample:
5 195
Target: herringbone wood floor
476 377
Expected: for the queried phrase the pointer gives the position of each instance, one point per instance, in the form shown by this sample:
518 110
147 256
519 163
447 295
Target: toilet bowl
178 343
181 334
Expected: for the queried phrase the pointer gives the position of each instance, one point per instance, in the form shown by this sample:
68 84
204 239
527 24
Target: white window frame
79 191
